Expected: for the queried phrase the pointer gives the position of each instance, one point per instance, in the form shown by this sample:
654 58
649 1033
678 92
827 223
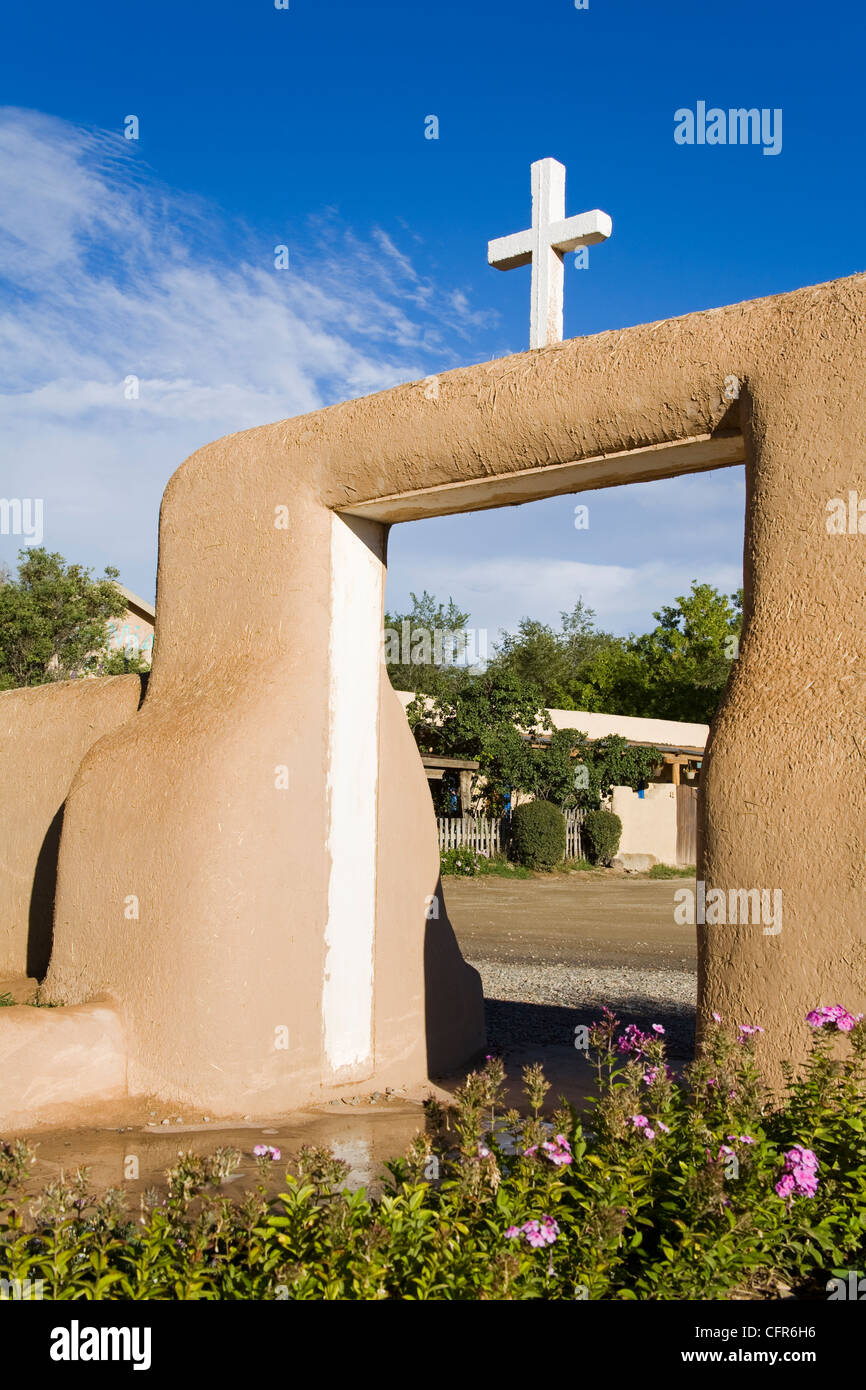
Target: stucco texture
45 730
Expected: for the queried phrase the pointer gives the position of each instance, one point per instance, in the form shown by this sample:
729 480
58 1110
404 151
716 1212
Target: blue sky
305 127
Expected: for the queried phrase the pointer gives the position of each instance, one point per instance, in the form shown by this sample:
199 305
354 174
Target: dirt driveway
552 950
577 919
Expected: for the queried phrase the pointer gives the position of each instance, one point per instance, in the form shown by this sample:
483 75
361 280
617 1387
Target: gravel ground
552 950
541 1004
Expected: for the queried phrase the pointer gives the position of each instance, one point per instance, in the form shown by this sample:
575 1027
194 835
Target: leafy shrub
693 1189
463 862
467 863
537 835
603 831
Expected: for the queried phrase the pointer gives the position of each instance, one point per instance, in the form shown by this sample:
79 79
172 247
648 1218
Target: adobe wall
239 885
784 783
45 730
222 838
649 823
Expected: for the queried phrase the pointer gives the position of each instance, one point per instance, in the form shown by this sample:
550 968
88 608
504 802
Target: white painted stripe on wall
357 578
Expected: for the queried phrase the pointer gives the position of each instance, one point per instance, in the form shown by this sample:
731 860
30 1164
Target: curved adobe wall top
636 388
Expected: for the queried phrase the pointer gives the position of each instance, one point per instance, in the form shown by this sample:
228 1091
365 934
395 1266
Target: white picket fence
487 835
481 833
574 835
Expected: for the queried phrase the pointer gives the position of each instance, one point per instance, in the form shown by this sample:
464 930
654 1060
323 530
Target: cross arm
506 252
585 229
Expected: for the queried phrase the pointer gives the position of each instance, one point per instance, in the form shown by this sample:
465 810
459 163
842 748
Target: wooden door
687 820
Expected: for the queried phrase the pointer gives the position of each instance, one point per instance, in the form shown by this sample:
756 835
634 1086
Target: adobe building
659 822
135 630
247 863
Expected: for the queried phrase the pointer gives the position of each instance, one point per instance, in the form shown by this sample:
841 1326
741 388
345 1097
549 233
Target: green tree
498 720
680 668
574 771
558 663
53 619
483 716
676 671
416 658
123 661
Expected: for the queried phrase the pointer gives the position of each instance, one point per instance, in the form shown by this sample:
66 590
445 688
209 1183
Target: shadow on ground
522 1027
523 1034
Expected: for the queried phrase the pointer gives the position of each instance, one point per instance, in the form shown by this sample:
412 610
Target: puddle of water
135 1158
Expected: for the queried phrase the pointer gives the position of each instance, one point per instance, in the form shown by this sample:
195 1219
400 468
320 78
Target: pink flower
528 1153
483 1151
267 1151
746 1030
652 1074
639 1121
512 1232
657 1028
558 1150
833 1016
665 1129
800 1175
633 1040
717 1017
649 1133
798 1157
539 1233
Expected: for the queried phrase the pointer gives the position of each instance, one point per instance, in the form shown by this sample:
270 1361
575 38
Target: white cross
544 244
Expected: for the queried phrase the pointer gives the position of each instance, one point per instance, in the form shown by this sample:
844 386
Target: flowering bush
463 862
704 1186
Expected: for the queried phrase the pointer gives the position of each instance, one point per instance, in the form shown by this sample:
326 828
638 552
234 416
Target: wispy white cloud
105 275
499 591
